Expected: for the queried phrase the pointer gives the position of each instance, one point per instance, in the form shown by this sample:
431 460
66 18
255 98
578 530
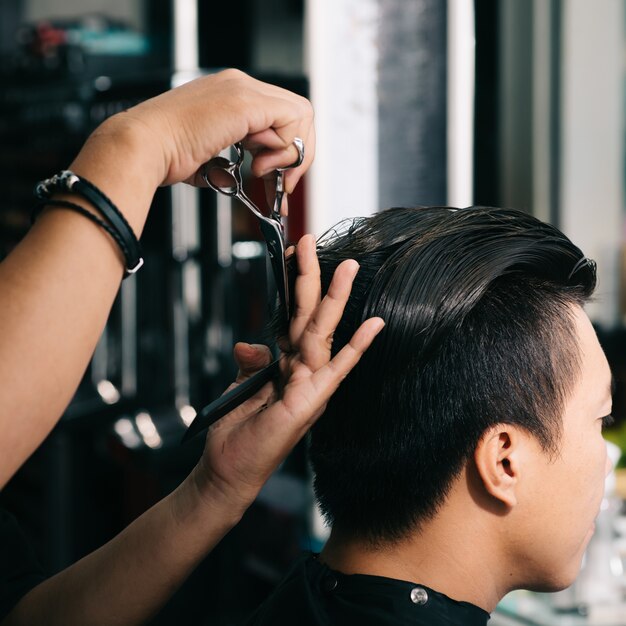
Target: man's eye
607 420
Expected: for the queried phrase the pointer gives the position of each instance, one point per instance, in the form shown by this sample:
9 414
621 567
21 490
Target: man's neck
452 554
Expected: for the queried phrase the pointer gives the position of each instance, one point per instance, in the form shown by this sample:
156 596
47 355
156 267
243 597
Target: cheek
592 470
608 466
601 462
577 482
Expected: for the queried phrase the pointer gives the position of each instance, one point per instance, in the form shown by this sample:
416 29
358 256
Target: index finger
308 288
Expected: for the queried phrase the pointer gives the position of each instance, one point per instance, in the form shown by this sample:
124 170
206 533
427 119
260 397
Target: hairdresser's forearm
126 581
57 288
58 285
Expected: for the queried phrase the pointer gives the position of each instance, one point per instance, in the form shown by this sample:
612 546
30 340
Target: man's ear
498 457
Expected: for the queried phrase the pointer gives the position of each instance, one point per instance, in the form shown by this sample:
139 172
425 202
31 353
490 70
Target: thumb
250 358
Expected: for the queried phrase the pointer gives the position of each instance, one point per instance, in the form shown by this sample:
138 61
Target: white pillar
185 44
341 56
592 195
461 90
542 78
185 215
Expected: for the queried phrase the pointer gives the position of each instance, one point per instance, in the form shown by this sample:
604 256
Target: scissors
224 176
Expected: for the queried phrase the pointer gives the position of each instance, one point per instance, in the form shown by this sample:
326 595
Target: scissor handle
299 144
229 168
280 178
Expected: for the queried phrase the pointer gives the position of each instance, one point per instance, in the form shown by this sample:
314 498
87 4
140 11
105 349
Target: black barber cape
314 595
19 569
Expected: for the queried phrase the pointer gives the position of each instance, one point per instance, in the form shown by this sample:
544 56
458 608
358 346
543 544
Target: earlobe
497 462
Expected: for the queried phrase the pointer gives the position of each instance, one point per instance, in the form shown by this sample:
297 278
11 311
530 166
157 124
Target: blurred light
248 249
102 83
187 414
126 432
148 430
108 392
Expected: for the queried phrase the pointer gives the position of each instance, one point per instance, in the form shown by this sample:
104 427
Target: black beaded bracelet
117 225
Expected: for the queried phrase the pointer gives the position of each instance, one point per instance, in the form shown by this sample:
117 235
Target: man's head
483 317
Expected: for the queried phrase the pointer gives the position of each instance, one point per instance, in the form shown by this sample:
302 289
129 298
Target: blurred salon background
514 103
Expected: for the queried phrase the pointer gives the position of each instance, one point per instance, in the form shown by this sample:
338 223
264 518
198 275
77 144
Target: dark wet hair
479 331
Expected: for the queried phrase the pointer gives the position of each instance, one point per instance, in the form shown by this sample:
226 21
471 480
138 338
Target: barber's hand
186 126
246 446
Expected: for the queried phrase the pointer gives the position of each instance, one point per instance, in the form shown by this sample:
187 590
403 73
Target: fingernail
377 324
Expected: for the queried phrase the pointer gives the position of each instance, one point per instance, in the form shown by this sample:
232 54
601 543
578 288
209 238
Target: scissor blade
276 251
231 400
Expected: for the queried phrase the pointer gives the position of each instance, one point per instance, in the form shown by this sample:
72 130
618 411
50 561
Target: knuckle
313 329
338 372
233 73
299 311
334 295
306 105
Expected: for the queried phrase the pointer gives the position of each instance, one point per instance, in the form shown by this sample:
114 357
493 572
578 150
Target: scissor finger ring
299 144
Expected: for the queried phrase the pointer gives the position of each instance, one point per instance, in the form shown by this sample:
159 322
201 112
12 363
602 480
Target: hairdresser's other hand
184 127
246 446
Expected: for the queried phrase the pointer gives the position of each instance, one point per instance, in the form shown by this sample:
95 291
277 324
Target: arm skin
56 298
58 285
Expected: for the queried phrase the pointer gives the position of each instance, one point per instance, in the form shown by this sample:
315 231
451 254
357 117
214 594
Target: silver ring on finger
299 144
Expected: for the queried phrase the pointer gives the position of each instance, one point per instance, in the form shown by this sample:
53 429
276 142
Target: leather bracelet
66 204
67 181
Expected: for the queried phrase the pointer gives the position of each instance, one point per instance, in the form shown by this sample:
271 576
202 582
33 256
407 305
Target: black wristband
67 181
66 204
